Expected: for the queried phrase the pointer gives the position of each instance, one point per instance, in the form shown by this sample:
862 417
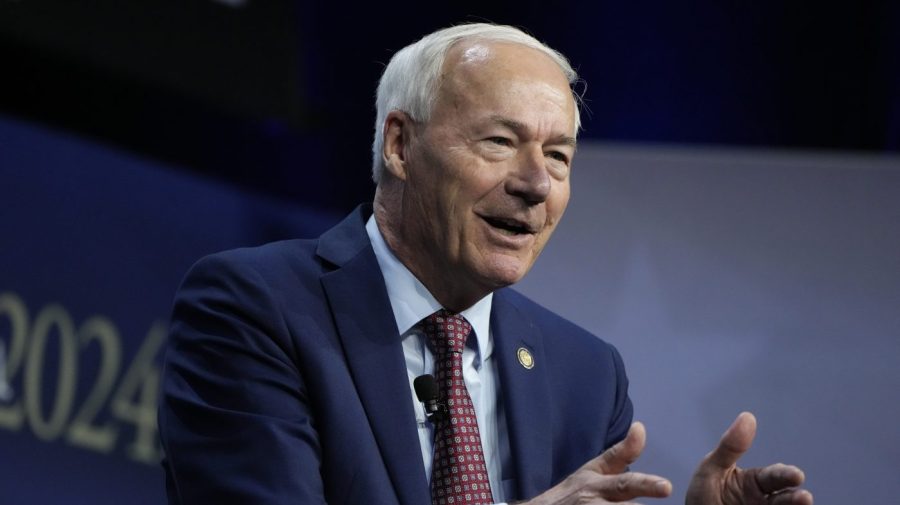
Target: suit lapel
369 335
525 393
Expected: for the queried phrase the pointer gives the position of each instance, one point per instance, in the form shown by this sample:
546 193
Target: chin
505 271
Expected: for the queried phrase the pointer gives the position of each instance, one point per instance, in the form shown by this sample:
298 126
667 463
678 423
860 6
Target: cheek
557 202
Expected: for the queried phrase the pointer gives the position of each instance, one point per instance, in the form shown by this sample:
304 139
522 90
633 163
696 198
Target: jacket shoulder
554 326
263 258
251 273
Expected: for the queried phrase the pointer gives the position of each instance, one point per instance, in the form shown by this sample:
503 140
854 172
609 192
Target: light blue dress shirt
411 302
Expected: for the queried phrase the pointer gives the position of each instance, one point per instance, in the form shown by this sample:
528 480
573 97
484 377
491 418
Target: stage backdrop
730 280
94 244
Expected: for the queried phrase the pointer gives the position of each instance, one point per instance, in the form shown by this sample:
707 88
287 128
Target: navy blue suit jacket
285 382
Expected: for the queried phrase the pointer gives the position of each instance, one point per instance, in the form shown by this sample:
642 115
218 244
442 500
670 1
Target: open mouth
508 226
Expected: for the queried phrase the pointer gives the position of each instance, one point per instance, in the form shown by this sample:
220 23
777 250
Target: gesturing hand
718 480
604 480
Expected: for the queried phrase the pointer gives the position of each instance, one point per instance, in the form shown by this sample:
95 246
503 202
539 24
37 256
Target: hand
718 480
601 480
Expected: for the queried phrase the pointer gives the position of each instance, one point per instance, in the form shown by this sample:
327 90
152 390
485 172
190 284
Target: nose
529 179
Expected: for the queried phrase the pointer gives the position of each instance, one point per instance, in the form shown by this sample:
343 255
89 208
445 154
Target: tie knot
446 332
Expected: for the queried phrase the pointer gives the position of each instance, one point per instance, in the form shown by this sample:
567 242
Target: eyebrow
518 126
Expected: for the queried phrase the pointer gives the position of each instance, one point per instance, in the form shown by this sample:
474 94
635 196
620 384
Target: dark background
276 96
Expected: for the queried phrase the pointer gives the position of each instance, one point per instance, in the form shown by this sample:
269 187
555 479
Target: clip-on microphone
427 393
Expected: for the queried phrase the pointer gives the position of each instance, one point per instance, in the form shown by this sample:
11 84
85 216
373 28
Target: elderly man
291 367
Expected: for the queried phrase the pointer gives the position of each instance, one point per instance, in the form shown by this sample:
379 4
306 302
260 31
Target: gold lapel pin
525 358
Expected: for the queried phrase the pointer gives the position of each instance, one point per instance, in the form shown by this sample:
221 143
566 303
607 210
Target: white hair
411 79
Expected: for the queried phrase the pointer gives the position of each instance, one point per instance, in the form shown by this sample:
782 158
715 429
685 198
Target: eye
500 141
558 156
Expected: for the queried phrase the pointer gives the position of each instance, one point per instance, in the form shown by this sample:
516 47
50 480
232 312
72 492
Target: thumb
617 458
736 440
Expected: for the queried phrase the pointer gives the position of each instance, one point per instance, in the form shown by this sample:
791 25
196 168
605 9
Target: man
290 369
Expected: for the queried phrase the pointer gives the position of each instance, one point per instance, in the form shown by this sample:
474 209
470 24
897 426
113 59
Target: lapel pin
525 358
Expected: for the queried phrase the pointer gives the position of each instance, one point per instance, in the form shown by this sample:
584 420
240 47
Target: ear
398 128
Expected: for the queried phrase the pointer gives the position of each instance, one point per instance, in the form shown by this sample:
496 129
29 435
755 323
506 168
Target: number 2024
132 400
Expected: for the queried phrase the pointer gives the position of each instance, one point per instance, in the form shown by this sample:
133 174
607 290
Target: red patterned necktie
458 472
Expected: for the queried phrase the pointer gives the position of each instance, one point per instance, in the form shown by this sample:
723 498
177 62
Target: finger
792 497
736 440
627 486
617 458
777 477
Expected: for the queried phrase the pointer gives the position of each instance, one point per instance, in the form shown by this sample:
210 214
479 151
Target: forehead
481 75
471 59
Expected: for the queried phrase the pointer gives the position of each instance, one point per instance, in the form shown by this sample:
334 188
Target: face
486 179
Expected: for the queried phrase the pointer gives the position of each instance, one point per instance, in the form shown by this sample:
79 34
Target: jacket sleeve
234 415
623 411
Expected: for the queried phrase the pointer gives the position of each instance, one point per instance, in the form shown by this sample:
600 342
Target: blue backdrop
94 244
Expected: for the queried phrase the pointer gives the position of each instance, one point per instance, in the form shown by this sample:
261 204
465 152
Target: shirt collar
411 301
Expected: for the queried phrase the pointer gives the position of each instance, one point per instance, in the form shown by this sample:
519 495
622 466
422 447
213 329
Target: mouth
509 226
